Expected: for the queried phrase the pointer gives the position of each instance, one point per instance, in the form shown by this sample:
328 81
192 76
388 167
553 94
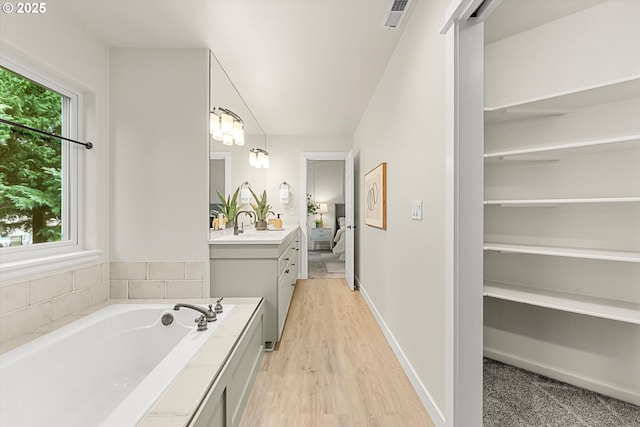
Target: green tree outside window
30 164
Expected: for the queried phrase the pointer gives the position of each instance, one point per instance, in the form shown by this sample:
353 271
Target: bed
339 238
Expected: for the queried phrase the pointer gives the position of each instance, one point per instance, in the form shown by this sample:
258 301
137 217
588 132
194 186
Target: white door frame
464 209
304 156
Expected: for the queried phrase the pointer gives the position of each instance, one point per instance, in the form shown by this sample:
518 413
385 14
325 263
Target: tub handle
202 323
218 308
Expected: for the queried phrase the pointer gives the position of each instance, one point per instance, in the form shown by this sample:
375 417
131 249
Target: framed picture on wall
375 196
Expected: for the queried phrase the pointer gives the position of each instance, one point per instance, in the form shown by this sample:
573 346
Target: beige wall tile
119 289
50 287
128 271
146 289
166 270
13 297
98 294
185 289
104 272
85 277
194 271
22 321
69 303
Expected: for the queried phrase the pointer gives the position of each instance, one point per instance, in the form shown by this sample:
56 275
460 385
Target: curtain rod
88 145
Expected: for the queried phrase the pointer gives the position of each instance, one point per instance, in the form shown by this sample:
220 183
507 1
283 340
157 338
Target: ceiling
304 67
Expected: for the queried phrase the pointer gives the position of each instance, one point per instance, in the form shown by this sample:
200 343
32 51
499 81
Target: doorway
328 181
325 218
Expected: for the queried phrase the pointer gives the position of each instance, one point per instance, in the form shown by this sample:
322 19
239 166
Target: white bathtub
106 369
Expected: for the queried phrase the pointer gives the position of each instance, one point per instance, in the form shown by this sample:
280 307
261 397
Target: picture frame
375 197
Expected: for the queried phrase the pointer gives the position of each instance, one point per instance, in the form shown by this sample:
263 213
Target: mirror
224 159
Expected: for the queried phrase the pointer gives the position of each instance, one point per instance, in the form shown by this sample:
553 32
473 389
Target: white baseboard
428 402
569 377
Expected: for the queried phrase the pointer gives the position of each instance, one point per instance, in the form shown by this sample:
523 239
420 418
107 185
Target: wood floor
333 368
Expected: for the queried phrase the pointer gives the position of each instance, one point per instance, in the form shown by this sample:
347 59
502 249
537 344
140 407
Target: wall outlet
416 210
292 211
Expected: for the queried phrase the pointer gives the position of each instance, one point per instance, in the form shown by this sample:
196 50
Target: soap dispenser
278 223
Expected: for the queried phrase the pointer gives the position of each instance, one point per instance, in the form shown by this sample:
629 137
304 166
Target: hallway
333 367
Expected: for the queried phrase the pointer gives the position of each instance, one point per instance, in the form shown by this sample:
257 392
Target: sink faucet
236 231
207 315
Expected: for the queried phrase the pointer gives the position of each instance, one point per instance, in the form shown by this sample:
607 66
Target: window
39 175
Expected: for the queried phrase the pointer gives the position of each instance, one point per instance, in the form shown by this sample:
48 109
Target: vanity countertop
252 237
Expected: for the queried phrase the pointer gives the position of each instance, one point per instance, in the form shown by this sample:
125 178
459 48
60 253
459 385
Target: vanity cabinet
224 403
264 264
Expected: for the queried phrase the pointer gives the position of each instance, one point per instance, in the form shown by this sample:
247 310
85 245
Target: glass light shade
226 123
217 135
227 139
214 127
238 133
214 123
253 159
263 160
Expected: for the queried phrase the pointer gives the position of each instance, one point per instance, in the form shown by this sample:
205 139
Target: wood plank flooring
333 367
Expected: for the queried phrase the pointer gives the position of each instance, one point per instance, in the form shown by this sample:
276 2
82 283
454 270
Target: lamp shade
323 208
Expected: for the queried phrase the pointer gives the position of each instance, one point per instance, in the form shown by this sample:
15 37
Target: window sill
38 266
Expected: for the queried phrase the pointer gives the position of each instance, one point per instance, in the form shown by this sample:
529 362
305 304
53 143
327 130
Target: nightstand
320 235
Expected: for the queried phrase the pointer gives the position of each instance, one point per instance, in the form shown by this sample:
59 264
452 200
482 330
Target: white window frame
29 260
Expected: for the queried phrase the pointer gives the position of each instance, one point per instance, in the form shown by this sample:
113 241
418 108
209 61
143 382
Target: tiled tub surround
184 395
32 304
161 280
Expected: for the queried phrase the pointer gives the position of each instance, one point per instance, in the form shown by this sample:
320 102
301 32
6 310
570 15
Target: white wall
159 132
592 46
402 268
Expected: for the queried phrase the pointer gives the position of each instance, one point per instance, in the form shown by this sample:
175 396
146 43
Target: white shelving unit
566 102
586 99
566 150
557 202
591 306
595 254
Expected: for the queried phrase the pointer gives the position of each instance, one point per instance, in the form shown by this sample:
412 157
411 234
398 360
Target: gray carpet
519 398
324 265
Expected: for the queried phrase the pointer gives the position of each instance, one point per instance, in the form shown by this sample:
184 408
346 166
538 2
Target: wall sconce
284 193
226 126
259 158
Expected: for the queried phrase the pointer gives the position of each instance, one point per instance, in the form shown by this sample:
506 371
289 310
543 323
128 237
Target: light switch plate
416 210
292 211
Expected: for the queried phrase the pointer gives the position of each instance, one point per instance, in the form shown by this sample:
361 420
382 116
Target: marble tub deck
513 397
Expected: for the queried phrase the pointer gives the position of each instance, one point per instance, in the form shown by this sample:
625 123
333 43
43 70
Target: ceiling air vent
393 16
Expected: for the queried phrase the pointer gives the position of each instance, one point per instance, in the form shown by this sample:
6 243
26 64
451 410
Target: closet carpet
514 397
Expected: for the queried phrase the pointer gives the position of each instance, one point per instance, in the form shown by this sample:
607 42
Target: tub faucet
207 315
237 231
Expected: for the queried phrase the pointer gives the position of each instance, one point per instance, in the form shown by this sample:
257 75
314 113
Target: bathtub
106 369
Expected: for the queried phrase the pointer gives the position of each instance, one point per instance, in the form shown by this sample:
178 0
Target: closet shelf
566 102
596 254
566 150
557 202
590 306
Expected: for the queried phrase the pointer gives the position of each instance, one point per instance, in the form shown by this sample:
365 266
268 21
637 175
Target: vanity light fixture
259 158
226 126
